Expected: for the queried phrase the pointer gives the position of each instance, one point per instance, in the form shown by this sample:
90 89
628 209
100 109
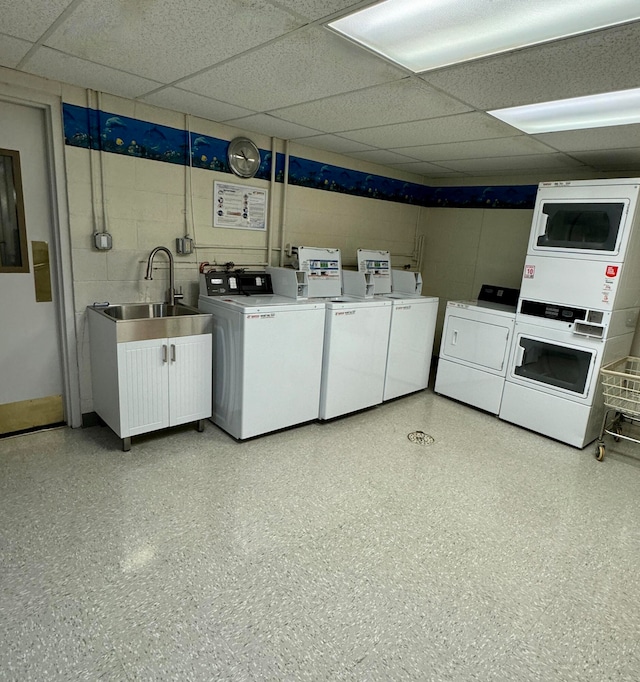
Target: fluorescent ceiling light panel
429 34
594 111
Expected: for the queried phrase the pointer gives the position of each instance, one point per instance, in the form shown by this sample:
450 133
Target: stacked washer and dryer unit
578 307
537 363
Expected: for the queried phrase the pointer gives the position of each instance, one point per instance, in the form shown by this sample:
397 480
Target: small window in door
13 236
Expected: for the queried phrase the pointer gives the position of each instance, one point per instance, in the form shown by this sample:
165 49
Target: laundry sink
141 321
146 311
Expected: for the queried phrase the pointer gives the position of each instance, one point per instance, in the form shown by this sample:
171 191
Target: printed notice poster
239 206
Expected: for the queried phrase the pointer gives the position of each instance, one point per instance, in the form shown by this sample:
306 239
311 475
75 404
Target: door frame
62 274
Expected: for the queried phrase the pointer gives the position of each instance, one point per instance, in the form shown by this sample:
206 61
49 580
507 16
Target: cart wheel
618 431
600 453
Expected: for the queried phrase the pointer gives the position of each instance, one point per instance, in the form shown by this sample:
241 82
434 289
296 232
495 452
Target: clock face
243 157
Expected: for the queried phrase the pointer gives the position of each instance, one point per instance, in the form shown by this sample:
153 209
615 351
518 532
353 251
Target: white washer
413 320
356 340
413 325
267 362
474 353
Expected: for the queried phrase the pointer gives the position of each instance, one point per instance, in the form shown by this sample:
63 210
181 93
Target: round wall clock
243 157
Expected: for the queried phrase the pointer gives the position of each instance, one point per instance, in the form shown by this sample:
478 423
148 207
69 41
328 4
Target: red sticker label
612 270
529 271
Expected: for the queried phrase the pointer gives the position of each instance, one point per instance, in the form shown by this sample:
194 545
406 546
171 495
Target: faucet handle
178 295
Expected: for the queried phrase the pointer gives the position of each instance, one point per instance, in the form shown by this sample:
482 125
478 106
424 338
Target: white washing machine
356 340
413 320
263 345
413 325
356 335
474 352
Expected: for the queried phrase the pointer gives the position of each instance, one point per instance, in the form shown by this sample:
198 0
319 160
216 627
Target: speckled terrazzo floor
338 551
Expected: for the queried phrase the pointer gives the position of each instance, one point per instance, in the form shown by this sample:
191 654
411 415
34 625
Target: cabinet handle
455 338
164 352
173 352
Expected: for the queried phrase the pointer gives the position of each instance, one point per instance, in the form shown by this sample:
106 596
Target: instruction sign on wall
239 206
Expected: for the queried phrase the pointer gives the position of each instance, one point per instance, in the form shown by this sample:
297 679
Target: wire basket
621 385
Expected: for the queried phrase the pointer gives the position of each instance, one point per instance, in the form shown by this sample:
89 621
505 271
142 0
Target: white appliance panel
565 420
469 385
574 282
555 362
280 348
413 323
259 354
378 265
478 340
590 219
355 356
323 268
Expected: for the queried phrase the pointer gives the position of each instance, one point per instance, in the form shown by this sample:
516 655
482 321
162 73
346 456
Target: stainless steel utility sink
145 311
142 321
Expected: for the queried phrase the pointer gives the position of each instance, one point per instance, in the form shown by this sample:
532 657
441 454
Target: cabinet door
189 378
142 377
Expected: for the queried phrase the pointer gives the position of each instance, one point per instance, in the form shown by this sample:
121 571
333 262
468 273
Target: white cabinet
164 382
146 385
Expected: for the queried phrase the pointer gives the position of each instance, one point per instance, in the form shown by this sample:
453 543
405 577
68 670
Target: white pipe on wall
105 220
272 192
283 210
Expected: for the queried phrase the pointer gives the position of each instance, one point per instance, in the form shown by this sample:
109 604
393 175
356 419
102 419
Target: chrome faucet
172 296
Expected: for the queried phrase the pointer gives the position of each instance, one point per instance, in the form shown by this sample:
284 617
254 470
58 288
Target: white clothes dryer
475 347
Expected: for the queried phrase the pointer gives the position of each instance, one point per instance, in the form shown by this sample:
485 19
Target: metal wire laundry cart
621 389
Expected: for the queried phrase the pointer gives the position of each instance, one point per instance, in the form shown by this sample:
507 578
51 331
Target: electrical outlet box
102 241
184 245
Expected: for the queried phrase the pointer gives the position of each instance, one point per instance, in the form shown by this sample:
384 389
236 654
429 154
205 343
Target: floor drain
421 438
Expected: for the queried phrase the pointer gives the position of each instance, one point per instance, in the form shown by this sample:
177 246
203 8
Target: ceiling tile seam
551 150
339 94
430 118
62 17
239 119
197 94
104 66
223 62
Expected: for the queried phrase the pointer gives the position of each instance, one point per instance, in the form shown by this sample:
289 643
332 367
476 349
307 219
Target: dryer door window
580 226
554 365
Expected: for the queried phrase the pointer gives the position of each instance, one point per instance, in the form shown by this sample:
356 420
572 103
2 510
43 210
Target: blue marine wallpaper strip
101 130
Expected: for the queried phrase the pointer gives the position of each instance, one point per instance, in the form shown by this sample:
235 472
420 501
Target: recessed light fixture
422 35
594 111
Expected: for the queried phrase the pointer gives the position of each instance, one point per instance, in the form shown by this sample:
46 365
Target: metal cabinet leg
126 444
200 425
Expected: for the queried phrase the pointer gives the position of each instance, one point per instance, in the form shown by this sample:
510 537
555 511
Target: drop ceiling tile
507 164
408 99
316 9
167 40
614 137
270 125
333 143
198 105
306 65
602 61
612 160
422 168
473 126
503 146
12 50
29 19
382 156
59 66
